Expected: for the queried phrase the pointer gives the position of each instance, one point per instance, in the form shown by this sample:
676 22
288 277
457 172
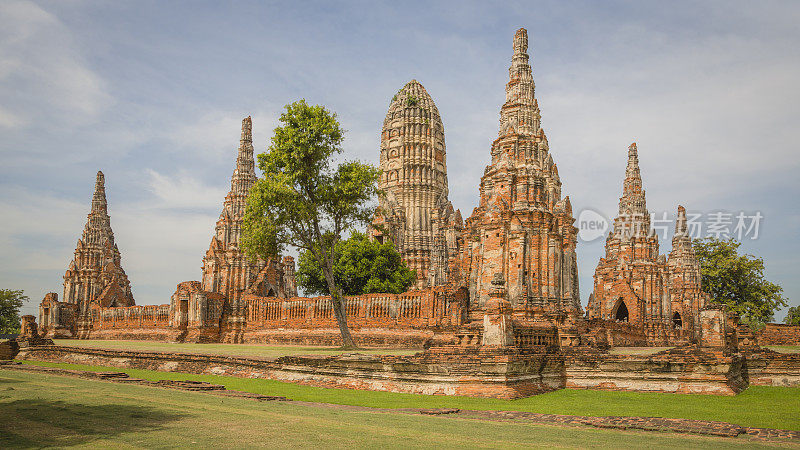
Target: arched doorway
677 322
621 311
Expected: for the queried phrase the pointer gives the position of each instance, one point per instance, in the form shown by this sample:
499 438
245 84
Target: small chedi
415 213
496 301
634 284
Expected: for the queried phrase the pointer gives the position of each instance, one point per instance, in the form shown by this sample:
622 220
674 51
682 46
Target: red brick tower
522 228
95 274
226 268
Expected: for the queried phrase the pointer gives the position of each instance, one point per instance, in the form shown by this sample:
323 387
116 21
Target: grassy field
45 410
758 406
784 348
246 350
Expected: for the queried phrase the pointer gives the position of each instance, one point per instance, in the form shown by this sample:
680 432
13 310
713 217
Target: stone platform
449 370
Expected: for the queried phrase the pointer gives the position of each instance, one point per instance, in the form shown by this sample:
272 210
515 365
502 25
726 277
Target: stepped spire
244 175
633 218
633 198
226 268
520 112
99 203
415 212
680 222
97 262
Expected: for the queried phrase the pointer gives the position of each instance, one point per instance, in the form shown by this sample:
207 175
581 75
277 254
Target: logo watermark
593 225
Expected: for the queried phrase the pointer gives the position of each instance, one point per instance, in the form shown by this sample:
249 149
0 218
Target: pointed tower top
633 159
521 41
244 175
99 204
632 192
520 112
680 222
247 130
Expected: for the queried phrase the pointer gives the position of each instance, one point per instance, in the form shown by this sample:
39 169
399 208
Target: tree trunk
339 310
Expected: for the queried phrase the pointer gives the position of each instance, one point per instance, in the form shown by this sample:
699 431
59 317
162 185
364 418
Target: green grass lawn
45 410
758 406
784 348
245 350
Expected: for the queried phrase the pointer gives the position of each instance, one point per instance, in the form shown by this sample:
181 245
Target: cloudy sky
153 93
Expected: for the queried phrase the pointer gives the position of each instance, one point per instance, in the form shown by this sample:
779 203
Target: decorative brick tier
448 371
687 370
768 368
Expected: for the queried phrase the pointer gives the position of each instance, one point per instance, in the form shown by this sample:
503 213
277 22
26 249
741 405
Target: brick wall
131 317
779 334
419 309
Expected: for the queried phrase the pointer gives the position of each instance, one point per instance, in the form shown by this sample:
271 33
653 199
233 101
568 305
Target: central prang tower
522 230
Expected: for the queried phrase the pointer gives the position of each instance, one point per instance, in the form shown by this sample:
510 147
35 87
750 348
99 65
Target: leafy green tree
10 303
304 200
738 281
362 267
793 316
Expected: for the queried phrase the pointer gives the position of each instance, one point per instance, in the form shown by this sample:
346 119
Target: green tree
362 267
793 316
738 280
304 200
10 303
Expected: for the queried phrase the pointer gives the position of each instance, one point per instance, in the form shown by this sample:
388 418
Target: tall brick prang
635 284
523 228
95 274
227 270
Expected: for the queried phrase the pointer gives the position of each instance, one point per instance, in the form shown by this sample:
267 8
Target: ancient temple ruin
227 270
520 240
415 213
229 273
635 284
522 228
94 276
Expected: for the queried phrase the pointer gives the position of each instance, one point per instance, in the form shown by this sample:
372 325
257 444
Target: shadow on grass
40 423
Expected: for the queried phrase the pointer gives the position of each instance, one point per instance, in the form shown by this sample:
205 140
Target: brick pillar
498 330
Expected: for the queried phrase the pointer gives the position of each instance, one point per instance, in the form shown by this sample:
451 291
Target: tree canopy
305 201
361 267
793 316
10 303
738 280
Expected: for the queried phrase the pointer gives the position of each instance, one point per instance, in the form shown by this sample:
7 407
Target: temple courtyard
94 405
68 408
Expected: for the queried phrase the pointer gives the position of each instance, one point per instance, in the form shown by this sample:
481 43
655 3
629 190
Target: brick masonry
779 334
474 371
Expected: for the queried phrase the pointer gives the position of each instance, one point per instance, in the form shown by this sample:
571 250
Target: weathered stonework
495 304
213 309
415 213
633 283
523 228
226 268
94 276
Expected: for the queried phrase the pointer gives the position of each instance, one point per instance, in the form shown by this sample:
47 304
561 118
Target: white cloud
44 74
181 190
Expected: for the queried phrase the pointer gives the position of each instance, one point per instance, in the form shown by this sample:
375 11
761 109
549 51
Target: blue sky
153 94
